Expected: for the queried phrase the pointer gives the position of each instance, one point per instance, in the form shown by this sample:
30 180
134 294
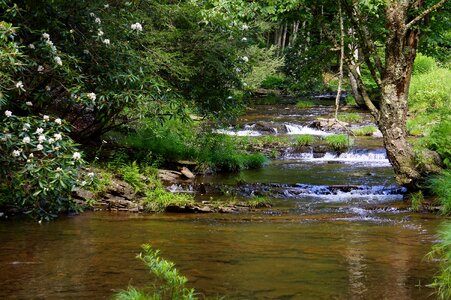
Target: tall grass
349 117
441 186
365 131
442 252
304 140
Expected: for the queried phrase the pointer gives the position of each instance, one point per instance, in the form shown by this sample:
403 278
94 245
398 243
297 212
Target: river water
338 230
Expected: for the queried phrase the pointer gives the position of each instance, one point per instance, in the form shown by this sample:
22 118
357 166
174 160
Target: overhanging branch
425 13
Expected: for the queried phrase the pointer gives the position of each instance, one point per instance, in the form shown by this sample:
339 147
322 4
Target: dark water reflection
248 256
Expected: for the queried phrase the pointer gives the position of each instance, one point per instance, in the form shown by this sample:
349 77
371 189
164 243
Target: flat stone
187 173
82 194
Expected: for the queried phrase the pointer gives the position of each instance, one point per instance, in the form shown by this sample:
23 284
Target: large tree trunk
400 51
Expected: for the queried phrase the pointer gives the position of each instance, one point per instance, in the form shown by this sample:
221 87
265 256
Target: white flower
86 51
51 140
26 126
92 15
45 36
91 96
49 43
26 140
245 27
106 41
40 68
245 58
57 136
39 147
31 155
106 6
76 155
71 31
91 174
244 84
244 39
100 33
58 60
230 97
16 153
41 138
137 26
39 130
29 103
31 46
8 113
238 70
59 169
47 88
97 20
19 85
58 121
45 118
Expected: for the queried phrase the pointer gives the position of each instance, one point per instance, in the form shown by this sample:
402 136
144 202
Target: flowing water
338 230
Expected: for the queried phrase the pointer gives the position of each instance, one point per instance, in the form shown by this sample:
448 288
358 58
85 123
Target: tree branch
425 13
360 86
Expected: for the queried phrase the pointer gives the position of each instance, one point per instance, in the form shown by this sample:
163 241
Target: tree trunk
400 51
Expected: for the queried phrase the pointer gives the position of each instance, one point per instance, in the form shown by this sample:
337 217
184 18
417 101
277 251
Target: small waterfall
331 194
299 129
245 132
373 157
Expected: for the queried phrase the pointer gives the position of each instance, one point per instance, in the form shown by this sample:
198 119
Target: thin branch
425 13
360 86
342 54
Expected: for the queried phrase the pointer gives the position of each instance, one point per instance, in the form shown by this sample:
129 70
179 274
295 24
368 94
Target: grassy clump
350 100
305 104
339 142
275 82
365 131
304 140
416 200
442 252
168 284
423 64
441 186
349 117
259 201
159 199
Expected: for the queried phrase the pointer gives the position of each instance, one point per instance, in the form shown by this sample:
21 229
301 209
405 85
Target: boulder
187 173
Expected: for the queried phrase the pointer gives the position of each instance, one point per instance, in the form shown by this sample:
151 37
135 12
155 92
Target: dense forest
96 90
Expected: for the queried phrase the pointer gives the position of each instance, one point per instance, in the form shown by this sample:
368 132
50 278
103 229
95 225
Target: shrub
441 186
304 140
169 283
349 117
430 91
365 131
131 174
423 64
39 165
274 82
439 140
305 104
339 142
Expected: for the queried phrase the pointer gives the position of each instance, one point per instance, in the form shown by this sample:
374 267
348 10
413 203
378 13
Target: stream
338 229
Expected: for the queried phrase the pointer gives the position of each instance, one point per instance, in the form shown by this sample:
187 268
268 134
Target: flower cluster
137 26
49 43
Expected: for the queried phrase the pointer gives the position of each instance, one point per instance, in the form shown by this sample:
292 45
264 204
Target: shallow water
248 256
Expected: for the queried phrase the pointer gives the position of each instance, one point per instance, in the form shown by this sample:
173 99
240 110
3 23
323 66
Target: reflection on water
250 256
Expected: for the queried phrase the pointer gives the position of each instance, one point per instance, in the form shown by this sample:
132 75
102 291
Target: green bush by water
339 142
274 82
168 282
423 64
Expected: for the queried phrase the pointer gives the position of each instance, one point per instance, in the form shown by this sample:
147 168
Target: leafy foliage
39 165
